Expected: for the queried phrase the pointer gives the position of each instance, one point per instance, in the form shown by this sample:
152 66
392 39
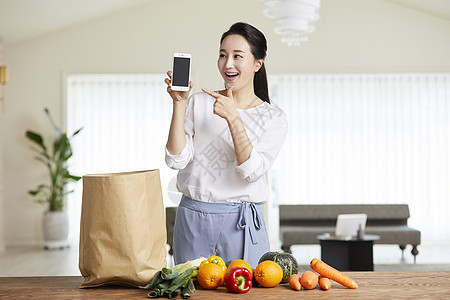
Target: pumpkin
287 262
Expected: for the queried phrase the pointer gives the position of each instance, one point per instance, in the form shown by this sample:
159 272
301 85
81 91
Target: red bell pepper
238 280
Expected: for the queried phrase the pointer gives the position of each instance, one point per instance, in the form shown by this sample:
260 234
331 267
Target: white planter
55 227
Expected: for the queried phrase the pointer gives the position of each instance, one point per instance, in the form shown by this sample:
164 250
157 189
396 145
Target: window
381 138
125 120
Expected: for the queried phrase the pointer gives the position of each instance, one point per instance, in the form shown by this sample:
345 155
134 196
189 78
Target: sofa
301 224
171 213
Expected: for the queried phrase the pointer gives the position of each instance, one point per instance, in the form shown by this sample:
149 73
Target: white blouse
207 164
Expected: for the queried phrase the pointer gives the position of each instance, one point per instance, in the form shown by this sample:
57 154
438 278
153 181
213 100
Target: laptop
348 224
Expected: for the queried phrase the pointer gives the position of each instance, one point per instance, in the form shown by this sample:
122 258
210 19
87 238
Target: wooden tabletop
372 285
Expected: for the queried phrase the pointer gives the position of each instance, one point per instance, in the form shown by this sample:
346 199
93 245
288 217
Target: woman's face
236 63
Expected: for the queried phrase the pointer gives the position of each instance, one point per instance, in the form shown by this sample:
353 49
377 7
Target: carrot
325 283
309 280
294 282
333 274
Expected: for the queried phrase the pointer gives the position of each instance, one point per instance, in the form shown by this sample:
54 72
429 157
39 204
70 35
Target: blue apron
227 229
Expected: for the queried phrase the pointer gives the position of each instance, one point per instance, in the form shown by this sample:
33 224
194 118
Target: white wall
352 36
2 239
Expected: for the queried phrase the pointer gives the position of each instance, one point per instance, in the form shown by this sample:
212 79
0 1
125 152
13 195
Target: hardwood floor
33 261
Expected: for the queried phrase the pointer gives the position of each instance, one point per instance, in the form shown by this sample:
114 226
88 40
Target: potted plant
55 221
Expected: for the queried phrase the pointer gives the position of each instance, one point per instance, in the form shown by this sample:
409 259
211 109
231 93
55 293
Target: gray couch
301 224
171 213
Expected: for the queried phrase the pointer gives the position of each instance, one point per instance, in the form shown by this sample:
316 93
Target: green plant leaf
56 128
68 156
54 193
36 138
77 132
41 201
41 159
40 189
60 147
67 175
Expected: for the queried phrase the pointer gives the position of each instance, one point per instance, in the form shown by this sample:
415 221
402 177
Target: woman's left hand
224 106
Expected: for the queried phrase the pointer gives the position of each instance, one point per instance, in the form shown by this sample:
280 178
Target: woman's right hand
177 96
176 140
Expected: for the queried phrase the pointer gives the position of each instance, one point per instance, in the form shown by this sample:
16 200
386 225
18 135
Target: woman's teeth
231 75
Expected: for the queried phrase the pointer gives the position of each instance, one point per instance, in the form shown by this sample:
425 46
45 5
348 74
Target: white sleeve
181 160
265 150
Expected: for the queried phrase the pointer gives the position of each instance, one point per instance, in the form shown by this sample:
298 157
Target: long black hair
258 47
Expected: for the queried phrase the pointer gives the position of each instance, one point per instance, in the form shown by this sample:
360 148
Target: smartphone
181 71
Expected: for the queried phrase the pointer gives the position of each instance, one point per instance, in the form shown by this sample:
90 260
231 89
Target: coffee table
348 253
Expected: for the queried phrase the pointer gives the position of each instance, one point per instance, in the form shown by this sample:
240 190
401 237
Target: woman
223 143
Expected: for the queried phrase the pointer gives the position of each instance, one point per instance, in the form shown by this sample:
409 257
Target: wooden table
372 285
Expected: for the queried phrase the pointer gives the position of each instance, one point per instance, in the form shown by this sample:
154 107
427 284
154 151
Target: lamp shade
294 18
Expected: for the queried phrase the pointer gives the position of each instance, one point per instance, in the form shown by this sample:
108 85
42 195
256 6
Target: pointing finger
230 92
211 93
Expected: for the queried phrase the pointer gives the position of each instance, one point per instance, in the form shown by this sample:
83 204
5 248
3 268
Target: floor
32 261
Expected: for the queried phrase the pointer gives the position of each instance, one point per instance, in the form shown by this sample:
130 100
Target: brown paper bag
123 231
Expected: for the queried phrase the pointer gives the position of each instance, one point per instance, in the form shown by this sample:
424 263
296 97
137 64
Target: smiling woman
238 66
223 143
247 46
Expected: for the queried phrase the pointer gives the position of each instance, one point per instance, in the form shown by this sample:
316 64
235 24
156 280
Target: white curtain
381 138
125 120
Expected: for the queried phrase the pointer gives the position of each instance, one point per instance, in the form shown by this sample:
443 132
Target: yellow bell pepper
214 260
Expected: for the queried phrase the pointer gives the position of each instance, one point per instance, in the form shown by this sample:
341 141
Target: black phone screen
181 71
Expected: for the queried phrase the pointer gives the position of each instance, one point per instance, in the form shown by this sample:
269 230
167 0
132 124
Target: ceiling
25 19
438 8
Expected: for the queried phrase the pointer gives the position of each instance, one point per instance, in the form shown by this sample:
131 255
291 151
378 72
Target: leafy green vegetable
168 274
176 281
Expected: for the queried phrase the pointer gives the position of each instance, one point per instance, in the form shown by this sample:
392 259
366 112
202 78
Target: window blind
125 120
367 138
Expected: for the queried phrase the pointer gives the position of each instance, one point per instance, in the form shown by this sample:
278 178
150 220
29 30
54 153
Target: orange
240 263
210 276
268 273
